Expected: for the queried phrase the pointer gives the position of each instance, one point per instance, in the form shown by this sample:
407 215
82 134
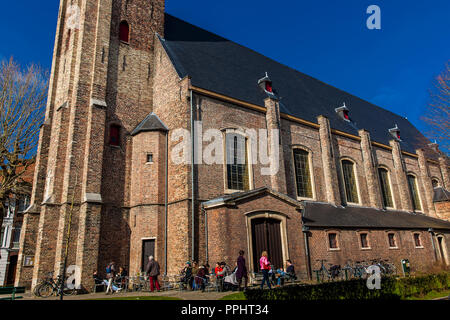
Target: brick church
355 181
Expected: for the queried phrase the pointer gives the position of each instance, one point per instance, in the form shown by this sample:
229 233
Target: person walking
265 267
153 271
241 271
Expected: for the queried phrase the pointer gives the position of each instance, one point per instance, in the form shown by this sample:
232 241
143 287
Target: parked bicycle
50 286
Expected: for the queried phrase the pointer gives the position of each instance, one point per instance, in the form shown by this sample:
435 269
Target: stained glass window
303 173
385 188
351 191
414 193
237 162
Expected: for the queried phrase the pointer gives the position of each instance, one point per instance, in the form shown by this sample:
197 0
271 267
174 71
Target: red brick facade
119 197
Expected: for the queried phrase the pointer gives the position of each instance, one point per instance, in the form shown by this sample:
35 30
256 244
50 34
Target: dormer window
343 112
395 132
266 84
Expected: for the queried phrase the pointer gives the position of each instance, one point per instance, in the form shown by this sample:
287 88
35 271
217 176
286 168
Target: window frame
394 205
311 172
336 233
420 246
147 155
395 240
355 173
360 234
240 132
416 180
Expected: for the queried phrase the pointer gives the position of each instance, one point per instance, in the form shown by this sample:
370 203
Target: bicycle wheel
36 289
45 290
69 292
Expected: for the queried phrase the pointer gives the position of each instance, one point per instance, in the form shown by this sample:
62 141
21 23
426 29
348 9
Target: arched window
351 189
385 188
237 162
303 174
124 32
412 182
114 135
435 183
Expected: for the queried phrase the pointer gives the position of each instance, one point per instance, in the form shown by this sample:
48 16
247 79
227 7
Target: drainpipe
206 234
431 231
192 175
166 196
305 231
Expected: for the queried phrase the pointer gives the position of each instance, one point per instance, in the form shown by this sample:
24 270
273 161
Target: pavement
184 295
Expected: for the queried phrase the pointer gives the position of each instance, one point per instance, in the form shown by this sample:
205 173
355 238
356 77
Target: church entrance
266 236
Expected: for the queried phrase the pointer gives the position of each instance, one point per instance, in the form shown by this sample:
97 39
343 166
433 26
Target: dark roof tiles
222 66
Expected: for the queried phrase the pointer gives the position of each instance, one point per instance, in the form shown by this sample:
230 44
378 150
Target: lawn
235 296
140 298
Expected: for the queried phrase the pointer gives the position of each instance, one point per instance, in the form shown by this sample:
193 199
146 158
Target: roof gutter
295 119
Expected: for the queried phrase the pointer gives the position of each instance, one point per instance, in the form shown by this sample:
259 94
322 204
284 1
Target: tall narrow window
114 135
124 32
392 242
303 173
364 241
237 162
351 191
385 188
332 240
417 241
412 181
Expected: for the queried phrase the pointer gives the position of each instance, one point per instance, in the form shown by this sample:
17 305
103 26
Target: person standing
153 271
265 267
110 274
241 271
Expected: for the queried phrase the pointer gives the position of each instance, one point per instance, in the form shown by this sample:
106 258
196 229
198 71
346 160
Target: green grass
140 298
432 295
235 296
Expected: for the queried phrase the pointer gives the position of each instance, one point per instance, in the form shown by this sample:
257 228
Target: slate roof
151 123
222 66
327 215
440 194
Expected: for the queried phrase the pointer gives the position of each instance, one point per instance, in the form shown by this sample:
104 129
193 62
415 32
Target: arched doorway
266 236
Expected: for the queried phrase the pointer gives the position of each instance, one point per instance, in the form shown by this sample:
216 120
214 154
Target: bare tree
437 116
23 95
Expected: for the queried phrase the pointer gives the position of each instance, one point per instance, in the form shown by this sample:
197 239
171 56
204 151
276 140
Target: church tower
100 90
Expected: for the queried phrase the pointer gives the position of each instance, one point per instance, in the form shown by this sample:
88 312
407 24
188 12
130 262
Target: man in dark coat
241 271
153 273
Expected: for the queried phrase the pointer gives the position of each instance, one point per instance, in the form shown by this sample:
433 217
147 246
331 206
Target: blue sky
392 67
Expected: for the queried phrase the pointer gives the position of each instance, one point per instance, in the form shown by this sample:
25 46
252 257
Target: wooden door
148 249
266 235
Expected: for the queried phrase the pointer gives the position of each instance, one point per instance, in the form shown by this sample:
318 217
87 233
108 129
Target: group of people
115 282
195 276
113 278
279 275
